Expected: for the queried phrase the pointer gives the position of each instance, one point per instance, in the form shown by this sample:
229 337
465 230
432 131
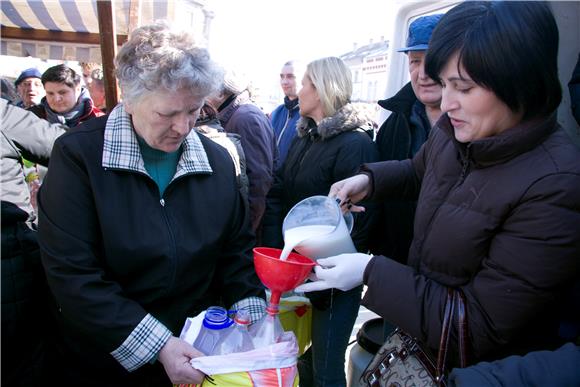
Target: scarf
290 103
72 117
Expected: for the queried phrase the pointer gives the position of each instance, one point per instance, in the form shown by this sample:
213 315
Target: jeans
323 364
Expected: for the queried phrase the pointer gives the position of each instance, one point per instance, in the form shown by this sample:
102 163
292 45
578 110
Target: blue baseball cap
28 73
420 32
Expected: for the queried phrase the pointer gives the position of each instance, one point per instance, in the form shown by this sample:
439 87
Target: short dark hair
507 47
61 74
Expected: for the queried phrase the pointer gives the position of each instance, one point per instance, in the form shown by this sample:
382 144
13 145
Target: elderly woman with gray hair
126 244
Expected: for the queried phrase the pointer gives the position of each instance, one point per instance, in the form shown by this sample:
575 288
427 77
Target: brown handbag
402 362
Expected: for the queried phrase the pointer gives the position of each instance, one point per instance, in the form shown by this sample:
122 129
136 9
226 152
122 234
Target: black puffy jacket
498 218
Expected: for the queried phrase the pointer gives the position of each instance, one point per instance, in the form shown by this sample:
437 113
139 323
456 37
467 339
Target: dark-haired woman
66 102
498 188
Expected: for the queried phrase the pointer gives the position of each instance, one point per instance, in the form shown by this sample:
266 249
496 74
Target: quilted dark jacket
498 218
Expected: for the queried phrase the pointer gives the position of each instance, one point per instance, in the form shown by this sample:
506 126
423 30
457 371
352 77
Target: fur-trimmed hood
350 117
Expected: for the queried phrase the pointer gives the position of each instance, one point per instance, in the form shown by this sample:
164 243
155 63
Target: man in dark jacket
238 114
285 116
538 368
415 109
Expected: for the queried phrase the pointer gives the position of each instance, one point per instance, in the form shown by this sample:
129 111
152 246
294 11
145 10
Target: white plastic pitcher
316 228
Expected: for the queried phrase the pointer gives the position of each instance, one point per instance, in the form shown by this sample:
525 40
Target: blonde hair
90 66
333 82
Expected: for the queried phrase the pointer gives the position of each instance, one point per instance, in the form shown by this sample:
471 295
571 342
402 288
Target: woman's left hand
175 356
343 272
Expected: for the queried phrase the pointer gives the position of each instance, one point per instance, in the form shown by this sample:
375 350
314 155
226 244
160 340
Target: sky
256 37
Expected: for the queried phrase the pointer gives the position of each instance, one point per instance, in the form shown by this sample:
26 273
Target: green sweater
160 165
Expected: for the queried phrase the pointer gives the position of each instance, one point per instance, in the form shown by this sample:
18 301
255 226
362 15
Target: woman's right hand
175 356
350 191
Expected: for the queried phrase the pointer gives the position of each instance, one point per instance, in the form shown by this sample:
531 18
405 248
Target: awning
85 30
69 29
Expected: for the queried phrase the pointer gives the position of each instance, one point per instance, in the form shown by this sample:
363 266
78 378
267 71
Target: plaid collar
121 149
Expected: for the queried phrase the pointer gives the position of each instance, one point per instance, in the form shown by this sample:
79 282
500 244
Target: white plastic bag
271 366
280 355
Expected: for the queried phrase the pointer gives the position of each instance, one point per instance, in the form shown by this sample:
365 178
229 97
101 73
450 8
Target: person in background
66 101
498 188
285 116
334 137
210 126
414 111
538 368
29 88
9 92
238 114
26 326
87 69
142 223
97 90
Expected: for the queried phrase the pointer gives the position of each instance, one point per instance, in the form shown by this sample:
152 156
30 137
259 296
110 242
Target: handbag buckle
382 368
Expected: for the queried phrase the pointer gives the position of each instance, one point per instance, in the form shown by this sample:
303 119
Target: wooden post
108 38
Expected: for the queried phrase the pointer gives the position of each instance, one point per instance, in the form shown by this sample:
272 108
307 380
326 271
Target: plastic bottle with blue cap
216 324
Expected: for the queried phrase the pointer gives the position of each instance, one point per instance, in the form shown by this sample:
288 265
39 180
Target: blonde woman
334 137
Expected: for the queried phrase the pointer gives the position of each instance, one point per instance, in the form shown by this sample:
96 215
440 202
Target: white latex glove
344 272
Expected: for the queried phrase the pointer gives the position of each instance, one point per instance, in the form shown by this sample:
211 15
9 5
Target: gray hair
333 81
157 57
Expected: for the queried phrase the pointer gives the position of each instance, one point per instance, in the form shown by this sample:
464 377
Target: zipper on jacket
464 168
172 238
164 214
283 129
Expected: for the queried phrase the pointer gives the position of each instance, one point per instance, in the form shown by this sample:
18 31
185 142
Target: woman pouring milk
498 187
334 138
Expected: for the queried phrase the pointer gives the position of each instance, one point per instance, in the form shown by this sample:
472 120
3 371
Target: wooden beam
108 40
55 36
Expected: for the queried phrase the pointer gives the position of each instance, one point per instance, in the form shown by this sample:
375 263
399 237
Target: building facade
368 65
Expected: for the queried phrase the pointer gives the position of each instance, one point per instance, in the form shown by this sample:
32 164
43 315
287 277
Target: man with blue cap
415 109
29 88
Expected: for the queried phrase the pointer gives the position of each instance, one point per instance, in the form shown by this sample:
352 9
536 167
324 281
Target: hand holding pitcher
350 191
344 272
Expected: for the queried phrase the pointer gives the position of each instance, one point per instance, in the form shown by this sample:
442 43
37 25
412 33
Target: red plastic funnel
280 276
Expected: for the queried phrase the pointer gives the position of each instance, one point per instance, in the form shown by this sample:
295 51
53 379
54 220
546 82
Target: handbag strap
454 307
462 332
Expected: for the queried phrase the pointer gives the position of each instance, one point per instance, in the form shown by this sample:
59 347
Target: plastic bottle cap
242 317
216 318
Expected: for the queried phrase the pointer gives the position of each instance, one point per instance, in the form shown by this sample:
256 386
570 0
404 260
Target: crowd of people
149 210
